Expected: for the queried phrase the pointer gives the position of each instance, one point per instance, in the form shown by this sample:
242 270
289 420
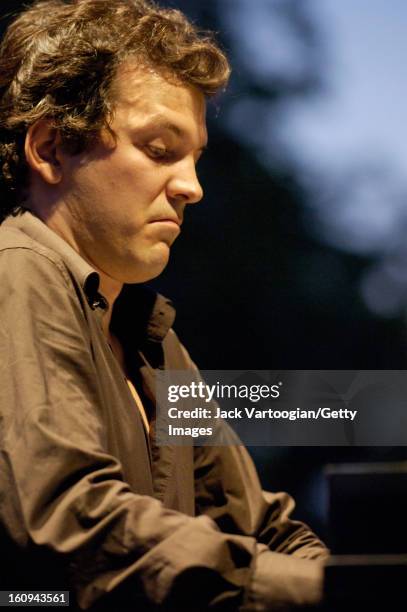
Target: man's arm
228 490
288 568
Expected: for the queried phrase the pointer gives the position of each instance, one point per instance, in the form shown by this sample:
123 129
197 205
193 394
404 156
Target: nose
184 186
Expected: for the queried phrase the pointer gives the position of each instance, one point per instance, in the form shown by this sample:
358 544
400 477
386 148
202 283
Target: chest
166 473
118 352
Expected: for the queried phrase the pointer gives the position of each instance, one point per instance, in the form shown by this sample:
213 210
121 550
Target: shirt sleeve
289 560
288 565
62 492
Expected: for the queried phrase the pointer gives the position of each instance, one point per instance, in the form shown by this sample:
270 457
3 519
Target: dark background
258 280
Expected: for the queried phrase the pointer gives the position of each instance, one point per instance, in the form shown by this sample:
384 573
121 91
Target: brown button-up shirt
88 503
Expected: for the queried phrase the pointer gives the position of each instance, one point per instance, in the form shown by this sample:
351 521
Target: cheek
118 188
129 169
129 185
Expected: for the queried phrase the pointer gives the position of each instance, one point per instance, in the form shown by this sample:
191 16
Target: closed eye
160 153
164 155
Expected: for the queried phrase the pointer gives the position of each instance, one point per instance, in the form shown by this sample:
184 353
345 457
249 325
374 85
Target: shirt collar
152 312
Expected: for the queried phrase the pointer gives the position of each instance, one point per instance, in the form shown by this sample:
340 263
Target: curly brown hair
58 60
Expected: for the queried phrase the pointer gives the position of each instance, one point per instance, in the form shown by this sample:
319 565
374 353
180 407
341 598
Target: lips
175 220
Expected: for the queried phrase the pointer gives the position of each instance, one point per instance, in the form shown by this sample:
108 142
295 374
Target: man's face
124 201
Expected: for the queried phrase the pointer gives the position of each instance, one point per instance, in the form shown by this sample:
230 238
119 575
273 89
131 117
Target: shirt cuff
283 582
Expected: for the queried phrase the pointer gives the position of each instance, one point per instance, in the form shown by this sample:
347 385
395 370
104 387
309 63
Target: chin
145 270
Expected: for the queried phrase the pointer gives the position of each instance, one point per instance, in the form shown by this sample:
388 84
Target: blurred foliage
253 288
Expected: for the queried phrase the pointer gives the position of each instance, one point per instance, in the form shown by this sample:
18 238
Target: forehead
143 94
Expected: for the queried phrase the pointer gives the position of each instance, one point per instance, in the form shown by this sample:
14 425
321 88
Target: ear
43 151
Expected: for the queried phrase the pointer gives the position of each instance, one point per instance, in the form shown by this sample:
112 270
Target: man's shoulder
20 250
34 279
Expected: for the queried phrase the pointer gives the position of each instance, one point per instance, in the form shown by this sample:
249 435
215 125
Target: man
102 119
